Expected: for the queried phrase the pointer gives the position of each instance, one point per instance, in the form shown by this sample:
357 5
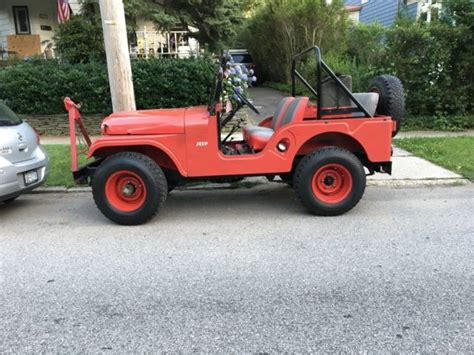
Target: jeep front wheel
129 188
330 181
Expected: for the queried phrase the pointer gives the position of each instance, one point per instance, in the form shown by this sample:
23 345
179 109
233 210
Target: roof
353 8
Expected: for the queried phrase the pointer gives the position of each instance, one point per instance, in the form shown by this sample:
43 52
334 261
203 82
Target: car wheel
129 188
330 181
391 98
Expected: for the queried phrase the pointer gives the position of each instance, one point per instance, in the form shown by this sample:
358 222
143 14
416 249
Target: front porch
154 44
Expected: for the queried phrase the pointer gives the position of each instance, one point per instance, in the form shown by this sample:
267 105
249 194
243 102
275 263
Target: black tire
391 100
336 162
154 181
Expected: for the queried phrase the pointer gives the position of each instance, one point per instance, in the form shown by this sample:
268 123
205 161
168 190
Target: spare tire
391 98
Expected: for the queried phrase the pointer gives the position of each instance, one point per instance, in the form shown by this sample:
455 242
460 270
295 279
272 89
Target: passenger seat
258 137
277 117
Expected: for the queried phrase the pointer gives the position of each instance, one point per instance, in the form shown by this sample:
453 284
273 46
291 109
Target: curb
213 186
60 190
419 182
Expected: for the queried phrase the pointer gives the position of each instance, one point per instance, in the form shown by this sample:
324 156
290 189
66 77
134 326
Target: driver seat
288 110
280 111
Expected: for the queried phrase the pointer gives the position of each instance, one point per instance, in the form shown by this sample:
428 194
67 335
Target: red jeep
319 148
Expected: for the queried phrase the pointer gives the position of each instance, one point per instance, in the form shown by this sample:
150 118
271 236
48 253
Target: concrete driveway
266 100
240 270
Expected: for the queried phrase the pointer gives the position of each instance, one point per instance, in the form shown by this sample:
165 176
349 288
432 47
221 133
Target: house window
22 20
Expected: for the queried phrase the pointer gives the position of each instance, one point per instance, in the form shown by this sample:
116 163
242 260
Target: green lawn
60 163
453 153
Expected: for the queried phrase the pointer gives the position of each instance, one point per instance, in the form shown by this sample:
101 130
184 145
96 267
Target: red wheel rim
125 191
332 183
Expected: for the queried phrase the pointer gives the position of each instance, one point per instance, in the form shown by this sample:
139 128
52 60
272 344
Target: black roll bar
320 66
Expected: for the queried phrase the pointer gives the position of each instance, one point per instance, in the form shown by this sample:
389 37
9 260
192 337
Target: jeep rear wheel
129 188
391 98
330 181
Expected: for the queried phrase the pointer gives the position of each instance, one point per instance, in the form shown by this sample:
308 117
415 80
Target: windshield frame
8 118
216 91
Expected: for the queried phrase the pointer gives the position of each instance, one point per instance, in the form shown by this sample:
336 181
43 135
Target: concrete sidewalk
435 134
410 170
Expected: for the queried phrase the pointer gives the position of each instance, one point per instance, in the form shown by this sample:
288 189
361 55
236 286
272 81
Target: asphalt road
240 270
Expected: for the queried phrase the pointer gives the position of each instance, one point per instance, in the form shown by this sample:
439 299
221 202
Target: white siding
7 26
41 13
75 6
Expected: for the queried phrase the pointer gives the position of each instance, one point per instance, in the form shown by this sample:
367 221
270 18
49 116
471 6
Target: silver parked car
24 164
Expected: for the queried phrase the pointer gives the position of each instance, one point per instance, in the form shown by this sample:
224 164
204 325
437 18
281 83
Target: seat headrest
295 110
280 111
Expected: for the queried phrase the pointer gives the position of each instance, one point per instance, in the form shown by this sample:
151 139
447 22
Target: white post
118 57
145 35
428 15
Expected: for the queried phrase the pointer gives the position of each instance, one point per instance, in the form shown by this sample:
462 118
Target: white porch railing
177 44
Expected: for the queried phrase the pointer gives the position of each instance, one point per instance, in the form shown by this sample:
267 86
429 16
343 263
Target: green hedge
40 86
444 123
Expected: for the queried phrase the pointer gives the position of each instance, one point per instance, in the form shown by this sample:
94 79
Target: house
147 42
386 12
27 28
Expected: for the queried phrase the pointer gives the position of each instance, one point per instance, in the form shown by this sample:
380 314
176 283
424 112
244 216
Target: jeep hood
145 122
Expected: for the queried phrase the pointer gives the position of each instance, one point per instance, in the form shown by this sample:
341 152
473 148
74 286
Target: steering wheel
246 102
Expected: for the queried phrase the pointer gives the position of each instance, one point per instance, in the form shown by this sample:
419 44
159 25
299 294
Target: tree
80 40
215 21
211 22
282 28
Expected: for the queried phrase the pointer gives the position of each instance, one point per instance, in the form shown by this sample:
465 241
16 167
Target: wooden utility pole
118 57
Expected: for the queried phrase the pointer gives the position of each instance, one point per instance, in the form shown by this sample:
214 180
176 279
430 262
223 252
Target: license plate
30 177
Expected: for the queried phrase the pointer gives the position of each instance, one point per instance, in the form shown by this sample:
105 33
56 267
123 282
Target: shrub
342 65
172 82
80 40
450 123
38 88
422 57
434 61
365 43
